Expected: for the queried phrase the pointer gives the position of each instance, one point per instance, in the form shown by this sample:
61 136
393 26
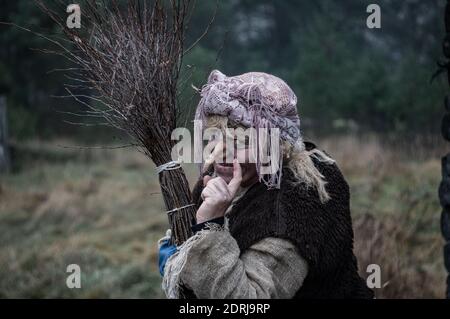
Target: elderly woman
283 234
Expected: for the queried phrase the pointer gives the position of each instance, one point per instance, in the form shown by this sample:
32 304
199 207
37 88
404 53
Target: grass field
102 209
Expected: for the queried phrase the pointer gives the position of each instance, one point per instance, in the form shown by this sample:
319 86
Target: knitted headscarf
256 100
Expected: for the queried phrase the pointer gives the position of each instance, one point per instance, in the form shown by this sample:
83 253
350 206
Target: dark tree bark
4 152
444 187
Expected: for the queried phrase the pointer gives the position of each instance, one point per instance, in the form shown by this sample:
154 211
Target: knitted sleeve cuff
198 227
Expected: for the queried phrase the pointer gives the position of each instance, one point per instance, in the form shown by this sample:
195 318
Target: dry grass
103 210
395 210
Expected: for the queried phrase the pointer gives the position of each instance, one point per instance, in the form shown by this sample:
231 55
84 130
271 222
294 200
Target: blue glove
165 251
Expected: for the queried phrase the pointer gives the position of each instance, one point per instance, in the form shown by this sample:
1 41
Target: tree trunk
4 152
444 187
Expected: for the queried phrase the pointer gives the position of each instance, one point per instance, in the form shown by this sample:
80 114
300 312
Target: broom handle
178 201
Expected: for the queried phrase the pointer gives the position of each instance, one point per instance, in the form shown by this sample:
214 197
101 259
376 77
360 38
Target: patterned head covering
256 100
252 99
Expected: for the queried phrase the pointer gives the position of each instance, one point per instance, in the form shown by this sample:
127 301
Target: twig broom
130 55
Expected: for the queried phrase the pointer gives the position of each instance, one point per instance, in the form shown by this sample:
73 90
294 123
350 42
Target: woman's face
242 152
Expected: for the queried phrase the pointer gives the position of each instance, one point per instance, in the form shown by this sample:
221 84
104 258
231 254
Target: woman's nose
228 151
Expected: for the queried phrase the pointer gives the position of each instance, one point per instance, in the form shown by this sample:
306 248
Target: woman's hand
218 195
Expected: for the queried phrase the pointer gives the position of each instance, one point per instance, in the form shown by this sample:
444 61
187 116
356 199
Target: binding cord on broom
168 166
179 222
180 208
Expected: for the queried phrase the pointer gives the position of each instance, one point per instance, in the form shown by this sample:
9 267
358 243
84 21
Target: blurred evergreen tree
340 69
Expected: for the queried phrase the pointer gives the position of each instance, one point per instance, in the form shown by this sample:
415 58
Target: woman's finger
207 192
235 182
218 188
220 182
206 179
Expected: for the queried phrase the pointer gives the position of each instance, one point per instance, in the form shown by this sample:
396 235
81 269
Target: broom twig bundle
130 55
